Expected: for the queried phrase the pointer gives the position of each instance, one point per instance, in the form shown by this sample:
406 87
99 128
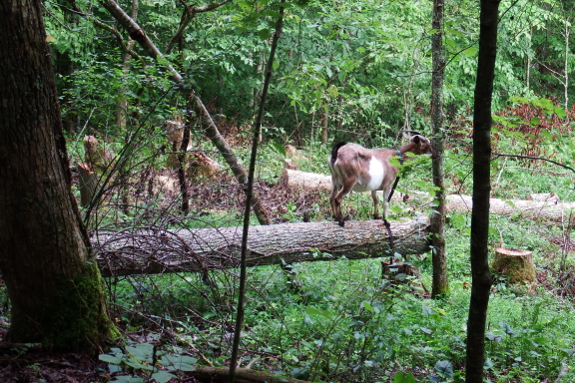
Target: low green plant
145 359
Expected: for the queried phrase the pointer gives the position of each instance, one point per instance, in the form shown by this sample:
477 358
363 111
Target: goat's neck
408 148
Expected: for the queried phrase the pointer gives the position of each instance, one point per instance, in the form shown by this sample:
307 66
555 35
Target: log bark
152 252
549 209
243 375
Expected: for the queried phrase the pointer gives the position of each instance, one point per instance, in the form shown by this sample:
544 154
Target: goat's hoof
341 223
386 223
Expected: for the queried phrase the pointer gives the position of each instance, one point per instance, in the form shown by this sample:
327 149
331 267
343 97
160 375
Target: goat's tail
334 151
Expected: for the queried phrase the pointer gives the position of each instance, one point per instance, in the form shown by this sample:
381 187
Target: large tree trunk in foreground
480 276
54 286
147 252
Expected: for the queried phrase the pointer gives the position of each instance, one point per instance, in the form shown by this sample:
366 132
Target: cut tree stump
87 183
193 250
516 265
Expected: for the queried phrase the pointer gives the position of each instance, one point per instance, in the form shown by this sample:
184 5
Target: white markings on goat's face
376 175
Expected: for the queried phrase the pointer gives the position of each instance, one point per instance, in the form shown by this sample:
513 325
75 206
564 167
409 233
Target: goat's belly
375 179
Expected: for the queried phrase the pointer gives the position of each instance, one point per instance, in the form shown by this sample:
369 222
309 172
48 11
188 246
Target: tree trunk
149 252
53 283
440 284
480 276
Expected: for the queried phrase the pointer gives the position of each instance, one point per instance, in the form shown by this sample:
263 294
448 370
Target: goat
354 167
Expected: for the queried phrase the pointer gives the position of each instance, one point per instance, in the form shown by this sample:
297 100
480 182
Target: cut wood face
512 252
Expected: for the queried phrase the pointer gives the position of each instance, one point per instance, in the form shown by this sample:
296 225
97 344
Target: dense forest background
354 71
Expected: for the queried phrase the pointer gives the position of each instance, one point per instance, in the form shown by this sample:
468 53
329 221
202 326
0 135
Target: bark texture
55 289
440 281
480 275
243 375
148 252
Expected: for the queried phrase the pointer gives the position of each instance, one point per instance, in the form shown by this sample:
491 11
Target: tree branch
187 16
120 40
497 155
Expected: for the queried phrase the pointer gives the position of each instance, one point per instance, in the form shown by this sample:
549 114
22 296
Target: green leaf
110 359
367 306
403 377
162 376
470 52
427 310
264 34
179 362
127 379
142 351
445 367
312 311
508 330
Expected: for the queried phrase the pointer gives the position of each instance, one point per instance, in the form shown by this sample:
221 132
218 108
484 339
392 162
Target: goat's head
419 144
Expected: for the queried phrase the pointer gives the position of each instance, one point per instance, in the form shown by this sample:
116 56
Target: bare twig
533 158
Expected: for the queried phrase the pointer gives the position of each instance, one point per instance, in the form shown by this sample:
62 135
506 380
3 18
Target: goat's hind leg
336 201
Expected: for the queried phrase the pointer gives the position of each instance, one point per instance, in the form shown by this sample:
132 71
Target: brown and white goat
354 167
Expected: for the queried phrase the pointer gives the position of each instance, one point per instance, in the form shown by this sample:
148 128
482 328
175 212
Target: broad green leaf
445 367
264 34
367 306
162 376
470 52
403 377
427 310
110 359
312 311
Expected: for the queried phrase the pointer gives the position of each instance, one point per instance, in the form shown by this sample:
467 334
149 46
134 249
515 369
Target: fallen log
298 179
548 209
193 250
314 181
243 375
